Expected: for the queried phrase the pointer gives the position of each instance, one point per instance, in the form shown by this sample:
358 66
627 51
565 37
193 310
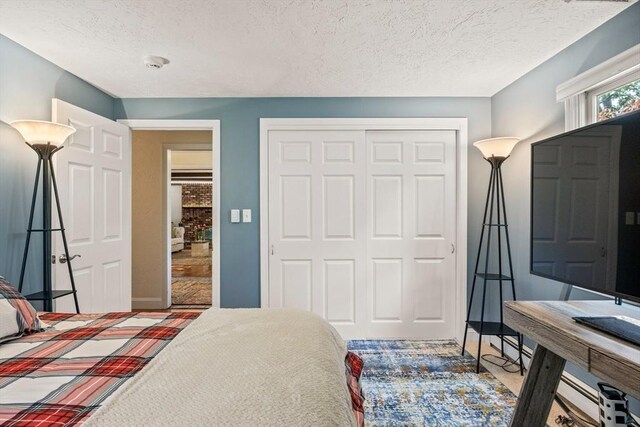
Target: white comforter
255 367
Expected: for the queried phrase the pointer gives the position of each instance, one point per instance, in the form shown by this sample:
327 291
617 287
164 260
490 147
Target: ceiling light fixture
155 62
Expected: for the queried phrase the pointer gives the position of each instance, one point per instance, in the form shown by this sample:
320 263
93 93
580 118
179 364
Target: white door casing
411 197
181 125
435 309
94 182
316 206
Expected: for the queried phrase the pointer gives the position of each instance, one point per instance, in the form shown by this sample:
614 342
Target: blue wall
27 84
239 118
527 108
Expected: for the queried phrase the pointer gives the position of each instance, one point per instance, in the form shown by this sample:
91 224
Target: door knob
63 258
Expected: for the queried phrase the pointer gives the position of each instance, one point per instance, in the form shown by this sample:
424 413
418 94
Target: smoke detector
155 62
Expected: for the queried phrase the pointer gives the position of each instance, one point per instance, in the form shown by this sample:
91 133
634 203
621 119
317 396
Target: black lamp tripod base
495 201
45 169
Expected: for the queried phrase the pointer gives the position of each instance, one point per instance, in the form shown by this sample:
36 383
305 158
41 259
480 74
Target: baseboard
147 304
580 394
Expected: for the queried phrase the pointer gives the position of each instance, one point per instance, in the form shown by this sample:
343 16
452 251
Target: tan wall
148 203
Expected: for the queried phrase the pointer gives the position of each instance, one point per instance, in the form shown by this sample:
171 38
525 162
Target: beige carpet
190 279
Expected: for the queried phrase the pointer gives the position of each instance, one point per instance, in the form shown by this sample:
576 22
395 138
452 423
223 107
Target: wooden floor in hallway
190 280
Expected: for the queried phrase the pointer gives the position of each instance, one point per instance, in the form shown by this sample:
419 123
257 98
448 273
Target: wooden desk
560 339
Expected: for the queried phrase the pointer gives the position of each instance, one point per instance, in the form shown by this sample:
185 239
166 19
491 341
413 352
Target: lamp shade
41 132
496 147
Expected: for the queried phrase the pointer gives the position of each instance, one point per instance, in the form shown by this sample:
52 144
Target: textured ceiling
301 48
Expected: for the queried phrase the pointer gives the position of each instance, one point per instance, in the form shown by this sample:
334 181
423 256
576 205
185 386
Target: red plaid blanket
59 377
354 365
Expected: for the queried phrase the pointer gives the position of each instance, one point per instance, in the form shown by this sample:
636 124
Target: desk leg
539 389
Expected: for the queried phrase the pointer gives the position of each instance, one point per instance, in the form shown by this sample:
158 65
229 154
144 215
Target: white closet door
316 229
411 208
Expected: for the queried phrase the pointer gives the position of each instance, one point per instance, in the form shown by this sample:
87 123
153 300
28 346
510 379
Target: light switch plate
246 215
235 215
629 218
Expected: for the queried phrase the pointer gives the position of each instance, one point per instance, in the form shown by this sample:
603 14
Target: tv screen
585 207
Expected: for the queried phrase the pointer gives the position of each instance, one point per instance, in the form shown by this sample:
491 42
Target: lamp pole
44 152
46 233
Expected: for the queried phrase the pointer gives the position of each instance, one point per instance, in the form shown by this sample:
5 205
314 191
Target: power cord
572 420
563 420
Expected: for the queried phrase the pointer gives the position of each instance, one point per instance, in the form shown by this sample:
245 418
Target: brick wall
196 208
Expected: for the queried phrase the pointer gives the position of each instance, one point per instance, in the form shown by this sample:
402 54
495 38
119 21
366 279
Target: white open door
93 173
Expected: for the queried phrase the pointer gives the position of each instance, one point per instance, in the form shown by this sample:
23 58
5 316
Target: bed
245 367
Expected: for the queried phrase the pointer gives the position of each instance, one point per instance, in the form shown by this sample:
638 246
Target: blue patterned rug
428 383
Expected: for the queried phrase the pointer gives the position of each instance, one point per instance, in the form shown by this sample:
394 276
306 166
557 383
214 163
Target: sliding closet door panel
316 232
411 205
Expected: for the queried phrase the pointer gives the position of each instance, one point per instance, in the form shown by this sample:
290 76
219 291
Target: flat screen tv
585 207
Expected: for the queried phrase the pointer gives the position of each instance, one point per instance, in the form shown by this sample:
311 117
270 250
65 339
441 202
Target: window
615 98
602 92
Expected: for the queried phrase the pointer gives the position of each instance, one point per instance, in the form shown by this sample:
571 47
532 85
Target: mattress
225 367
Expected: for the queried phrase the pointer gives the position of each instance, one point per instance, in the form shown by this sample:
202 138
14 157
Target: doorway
153 141
191 236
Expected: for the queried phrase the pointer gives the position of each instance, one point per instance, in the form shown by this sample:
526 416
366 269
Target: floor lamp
46 138
495 151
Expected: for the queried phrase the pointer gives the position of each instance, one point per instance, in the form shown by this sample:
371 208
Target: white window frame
578 92
592 95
